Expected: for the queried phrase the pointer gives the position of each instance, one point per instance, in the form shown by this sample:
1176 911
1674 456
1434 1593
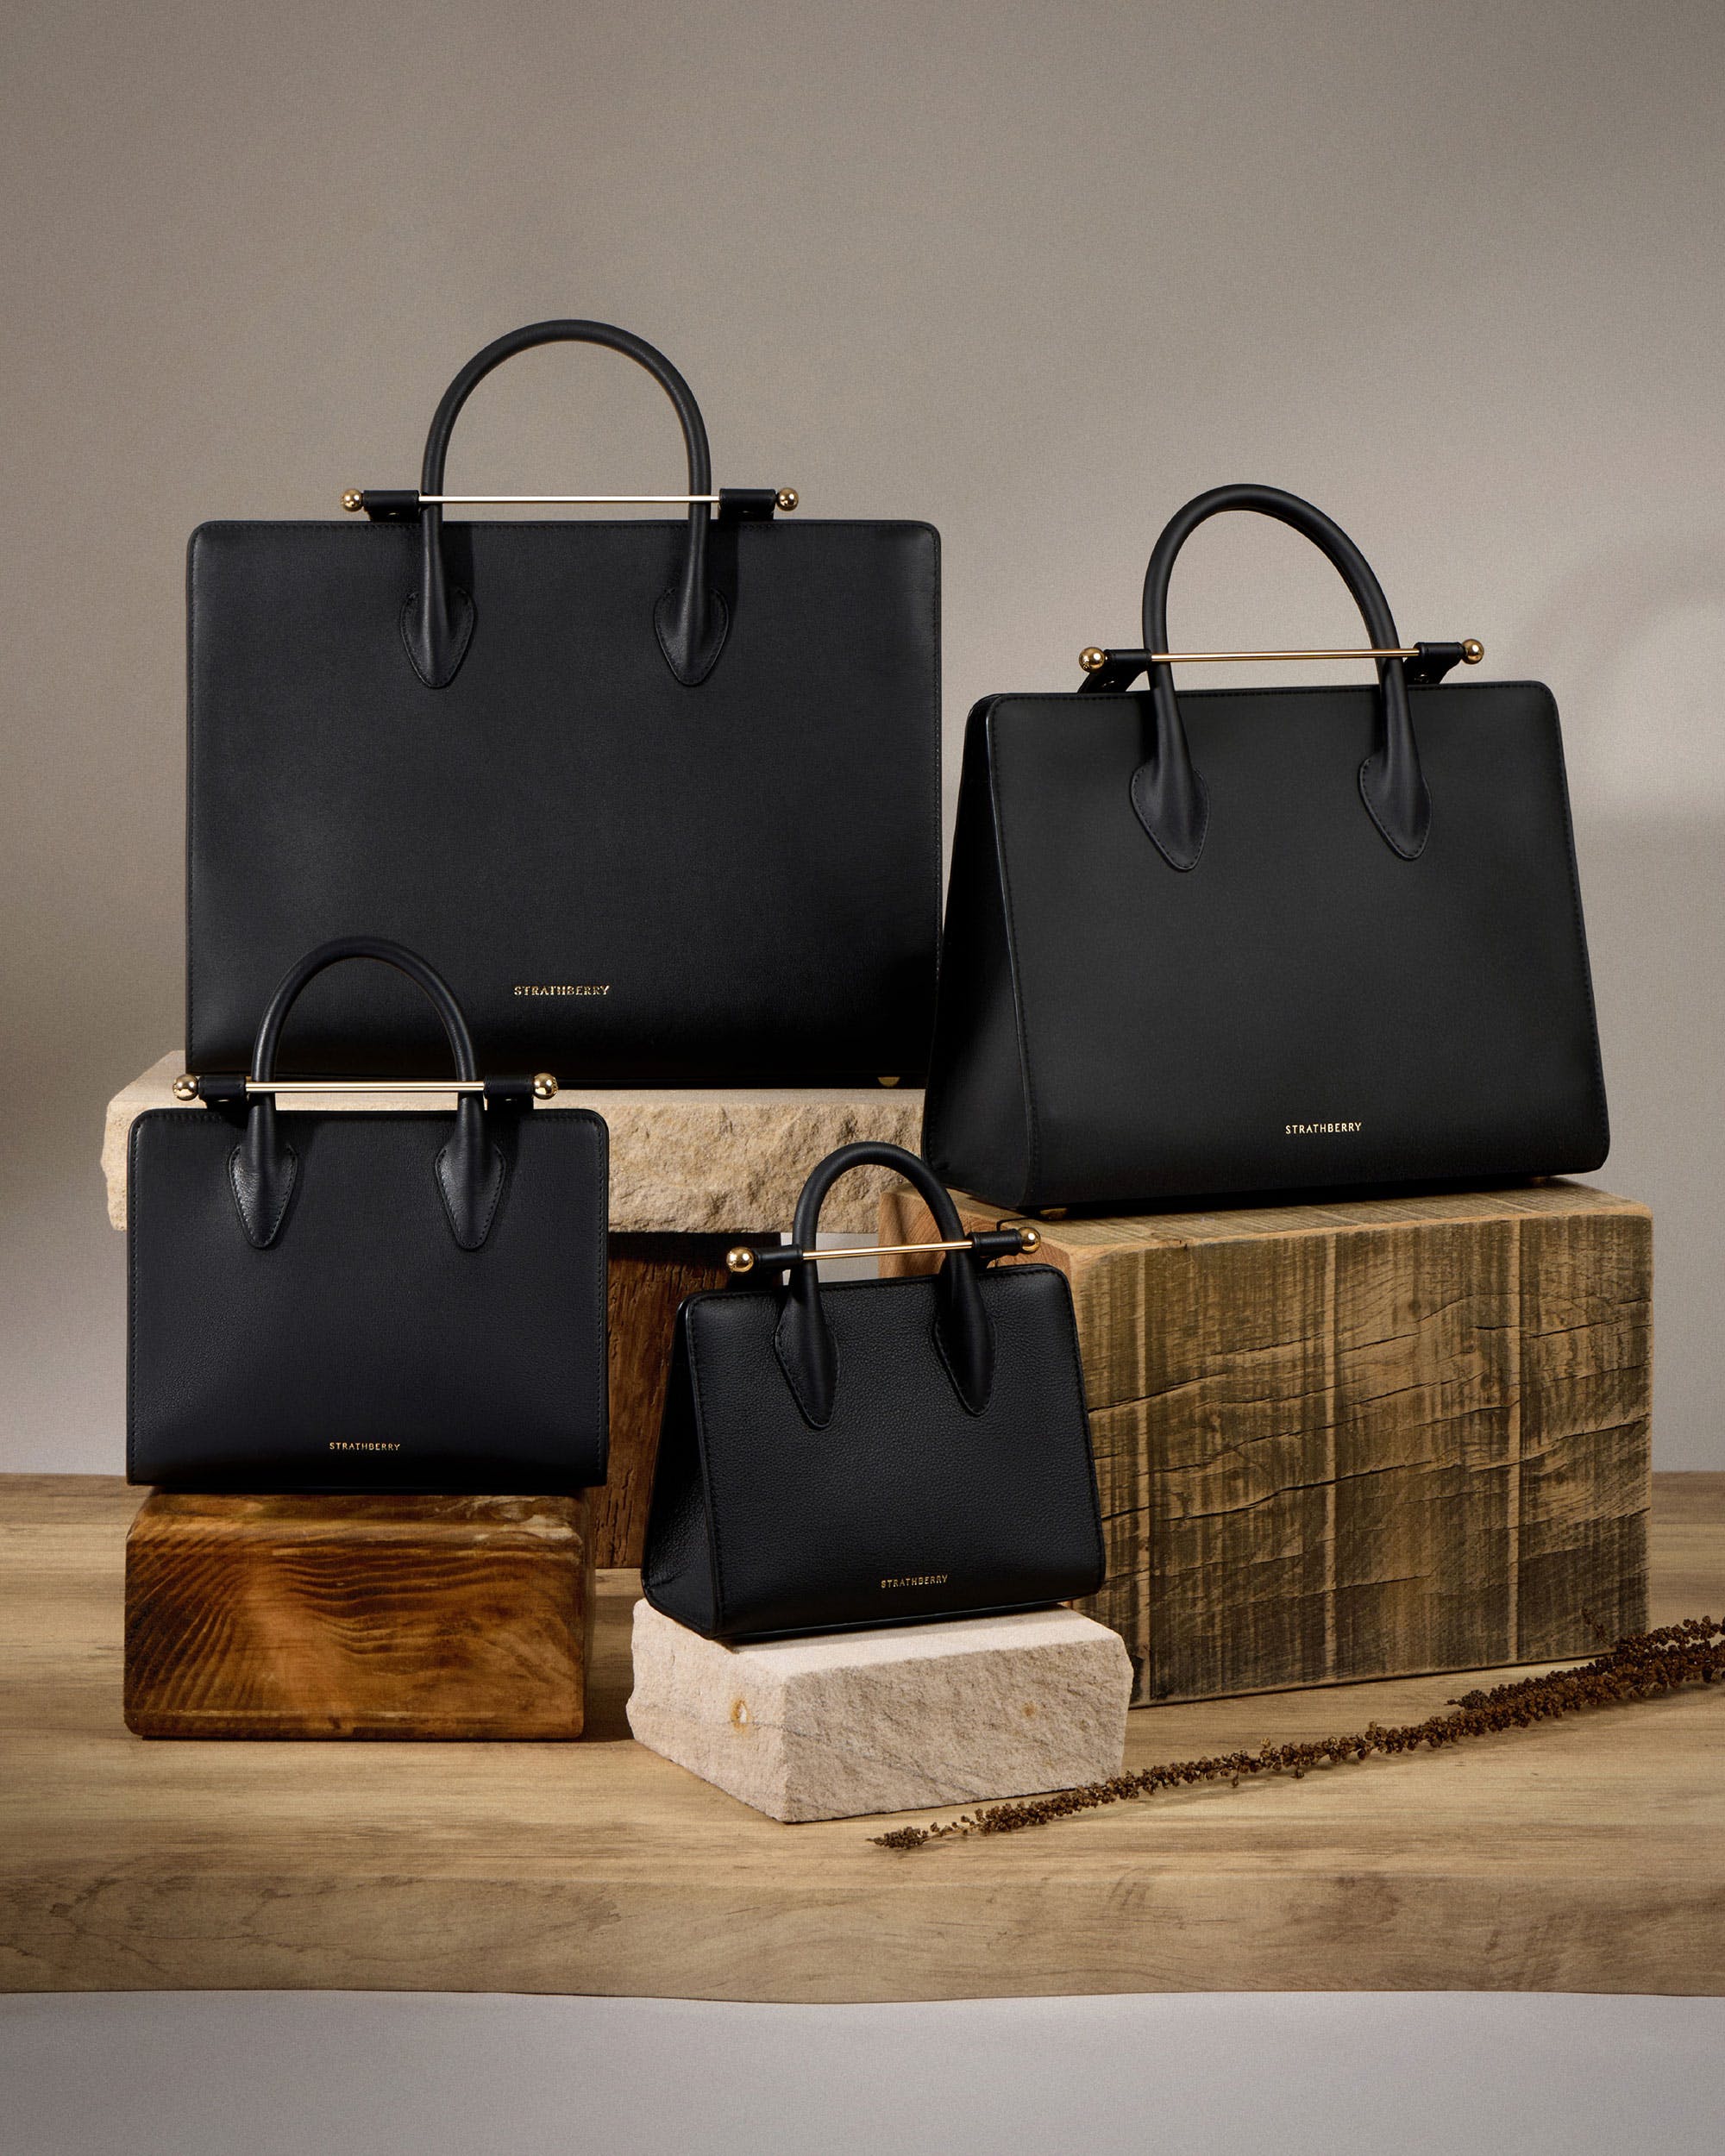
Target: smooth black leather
360 1301
922 1484
672 817
1308 1004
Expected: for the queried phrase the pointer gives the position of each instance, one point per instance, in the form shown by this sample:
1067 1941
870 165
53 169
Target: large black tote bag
660 799
1261 940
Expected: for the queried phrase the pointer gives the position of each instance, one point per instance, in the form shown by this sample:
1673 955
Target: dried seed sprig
1646 1666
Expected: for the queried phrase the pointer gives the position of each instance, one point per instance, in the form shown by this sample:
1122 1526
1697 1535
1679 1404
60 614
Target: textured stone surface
883 1721
699 1162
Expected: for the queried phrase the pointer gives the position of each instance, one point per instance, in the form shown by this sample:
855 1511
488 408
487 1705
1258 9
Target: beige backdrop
1034 272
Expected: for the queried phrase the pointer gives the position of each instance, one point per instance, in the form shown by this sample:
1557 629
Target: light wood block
1365 1439
883 1720
1584 1856
358 1616
692 1172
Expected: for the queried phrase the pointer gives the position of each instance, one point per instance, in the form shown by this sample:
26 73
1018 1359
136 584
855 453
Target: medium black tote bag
660 798
1261 940
877 1452
366 1300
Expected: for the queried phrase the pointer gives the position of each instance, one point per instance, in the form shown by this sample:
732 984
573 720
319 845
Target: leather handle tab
1168 793
689 618
264 1169
803 1339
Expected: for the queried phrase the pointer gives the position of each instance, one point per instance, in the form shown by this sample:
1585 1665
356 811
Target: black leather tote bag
877 1452
1262 939
364 1299
660 799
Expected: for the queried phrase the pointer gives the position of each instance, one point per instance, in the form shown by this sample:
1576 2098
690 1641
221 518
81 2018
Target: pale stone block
889 1721
700 1161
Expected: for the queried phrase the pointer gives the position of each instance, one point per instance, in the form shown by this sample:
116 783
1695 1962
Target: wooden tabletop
1587 1856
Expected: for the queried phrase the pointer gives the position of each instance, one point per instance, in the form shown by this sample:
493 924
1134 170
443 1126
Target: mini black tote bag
1263 939
366 1300
660 799
878 1453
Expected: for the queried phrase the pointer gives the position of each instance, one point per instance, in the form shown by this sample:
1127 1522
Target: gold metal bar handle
353 500
1093 657
544 1086
476 501
742 1259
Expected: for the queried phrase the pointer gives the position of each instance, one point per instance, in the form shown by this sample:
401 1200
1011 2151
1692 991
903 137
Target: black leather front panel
1305 1008
365 1348
740 880
905 1506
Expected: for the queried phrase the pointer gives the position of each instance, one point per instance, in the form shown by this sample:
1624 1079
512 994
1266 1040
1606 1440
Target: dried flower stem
1646 1666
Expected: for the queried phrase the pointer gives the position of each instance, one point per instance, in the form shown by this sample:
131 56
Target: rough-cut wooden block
1365 1439
881 1721
694 1161
358 1616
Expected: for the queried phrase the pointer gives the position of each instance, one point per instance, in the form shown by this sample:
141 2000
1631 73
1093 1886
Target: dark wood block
1365 1438
358 1616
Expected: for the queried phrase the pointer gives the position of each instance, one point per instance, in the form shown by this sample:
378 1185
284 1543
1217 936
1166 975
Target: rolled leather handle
689 618
807 1351
1169 795
264 1169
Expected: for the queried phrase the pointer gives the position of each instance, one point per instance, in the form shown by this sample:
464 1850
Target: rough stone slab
696 1162
887 1720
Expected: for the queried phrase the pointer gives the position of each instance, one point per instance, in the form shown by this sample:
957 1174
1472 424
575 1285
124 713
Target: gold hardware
185 1086
544 1086
1473 651
1029 1239
787 498
1091 658
594 501
739 1259
365 1085
353 499
1054 1213
888 1081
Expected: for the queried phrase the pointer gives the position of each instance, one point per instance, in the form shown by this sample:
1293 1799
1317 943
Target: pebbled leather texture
1306 1009
803 1341
907 1506
360 1301
741 880
673 816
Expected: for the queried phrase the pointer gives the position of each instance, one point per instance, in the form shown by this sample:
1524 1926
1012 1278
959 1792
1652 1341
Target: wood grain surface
402 1617
1363 1439
1587 1856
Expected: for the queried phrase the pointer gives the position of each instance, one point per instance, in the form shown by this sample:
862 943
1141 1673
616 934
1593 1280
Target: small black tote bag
877 1452
362 1300
660 799
1263 939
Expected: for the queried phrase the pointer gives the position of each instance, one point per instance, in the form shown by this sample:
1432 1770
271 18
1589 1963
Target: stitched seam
797 1393
694 680
1032 1113
449 1202
463 639
1075 1363
274 1226
715 1542
1597 1070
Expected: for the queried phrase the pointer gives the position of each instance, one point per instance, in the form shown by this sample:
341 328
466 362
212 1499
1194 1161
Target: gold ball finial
353 499
787 497
185 1086
1092 657
739 1259
1472 652
544 1086
1029 1239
